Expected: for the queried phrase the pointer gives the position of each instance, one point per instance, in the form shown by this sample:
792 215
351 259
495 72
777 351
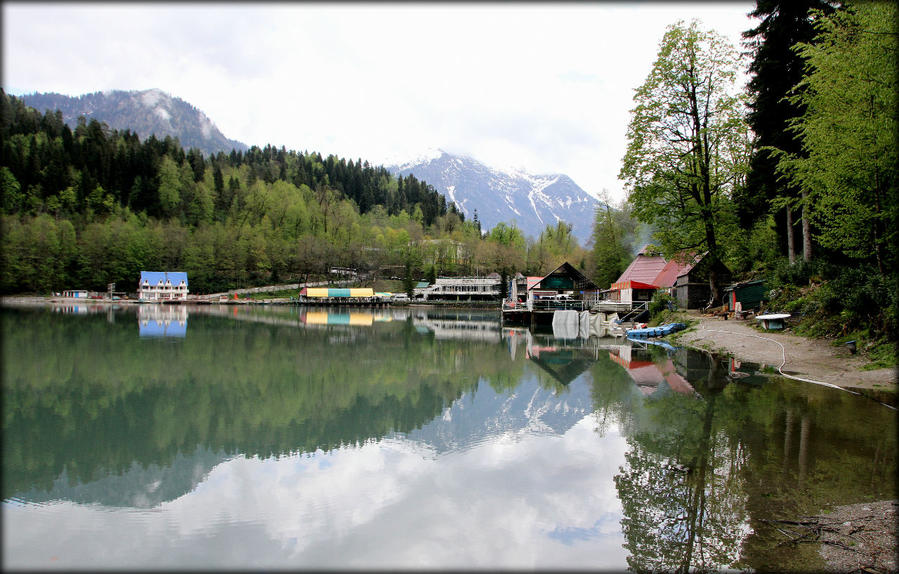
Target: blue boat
659 331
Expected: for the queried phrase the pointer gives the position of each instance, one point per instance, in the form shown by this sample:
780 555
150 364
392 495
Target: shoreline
816 360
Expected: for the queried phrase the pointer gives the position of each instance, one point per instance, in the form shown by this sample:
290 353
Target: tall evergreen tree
776 70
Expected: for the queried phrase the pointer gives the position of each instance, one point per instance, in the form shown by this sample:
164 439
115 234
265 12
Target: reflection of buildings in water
162 321
301 316
72 309
648 375
83 308
458 328
566 359
362 318
563 359
331 318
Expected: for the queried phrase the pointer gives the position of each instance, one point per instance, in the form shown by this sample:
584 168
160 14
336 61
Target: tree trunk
791 245
806 229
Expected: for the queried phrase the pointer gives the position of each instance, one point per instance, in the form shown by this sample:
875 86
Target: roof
632 285
581 283
745 284
154 277
693 263
670 272
644 268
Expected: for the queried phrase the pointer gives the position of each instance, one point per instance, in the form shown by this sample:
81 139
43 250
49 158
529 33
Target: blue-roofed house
162 286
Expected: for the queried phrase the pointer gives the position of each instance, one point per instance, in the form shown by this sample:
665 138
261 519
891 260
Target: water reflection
275 437
162 321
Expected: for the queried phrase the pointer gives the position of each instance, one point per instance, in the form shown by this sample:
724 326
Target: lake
180 437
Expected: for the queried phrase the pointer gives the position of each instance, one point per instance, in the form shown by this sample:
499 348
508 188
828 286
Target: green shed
750 295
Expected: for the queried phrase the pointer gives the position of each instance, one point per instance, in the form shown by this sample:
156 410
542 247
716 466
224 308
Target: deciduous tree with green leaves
688 144
848 132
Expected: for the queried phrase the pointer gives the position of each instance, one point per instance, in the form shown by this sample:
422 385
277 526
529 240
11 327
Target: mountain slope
530 201
143 112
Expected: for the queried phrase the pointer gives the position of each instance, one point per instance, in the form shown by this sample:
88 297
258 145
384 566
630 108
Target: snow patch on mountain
514 197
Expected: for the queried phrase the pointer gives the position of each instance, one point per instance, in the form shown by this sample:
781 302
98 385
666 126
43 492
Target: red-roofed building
637 283
669 273
649 375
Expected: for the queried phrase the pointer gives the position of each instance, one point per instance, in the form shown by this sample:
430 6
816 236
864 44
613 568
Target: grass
284 294
667 316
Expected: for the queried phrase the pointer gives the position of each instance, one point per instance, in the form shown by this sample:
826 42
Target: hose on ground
783 352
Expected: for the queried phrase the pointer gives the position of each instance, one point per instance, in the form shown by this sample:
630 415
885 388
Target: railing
557 305
546 305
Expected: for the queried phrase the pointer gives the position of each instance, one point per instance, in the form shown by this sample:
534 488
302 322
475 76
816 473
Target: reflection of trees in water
706 475
680 487
90 397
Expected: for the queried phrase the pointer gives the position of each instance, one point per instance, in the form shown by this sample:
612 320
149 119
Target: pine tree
776 70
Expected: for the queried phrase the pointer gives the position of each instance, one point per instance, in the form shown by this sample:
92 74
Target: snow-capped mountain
530 201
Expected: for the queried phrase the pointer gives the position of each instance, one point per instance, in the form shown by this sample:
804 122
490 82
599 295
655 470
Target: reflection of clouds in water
519 501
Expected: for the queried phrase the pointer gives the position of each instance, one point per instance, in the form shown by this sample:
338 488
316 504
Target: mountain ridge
530 201
145 112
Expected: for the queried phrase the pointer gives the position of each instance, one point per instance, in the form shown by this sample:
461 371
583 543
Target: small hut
692 285
749 295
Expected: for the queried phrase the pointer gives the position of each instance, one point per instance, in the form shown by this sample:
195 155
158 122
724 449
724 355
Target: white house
162 286
459 288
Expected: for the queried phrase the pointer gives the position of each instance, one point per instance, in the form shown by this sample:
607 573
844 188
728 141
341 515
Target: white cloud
541 86
517 501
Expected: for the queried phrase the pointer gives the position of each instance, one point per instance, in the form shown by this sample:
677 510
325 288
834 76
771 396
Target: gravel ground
860 537
814 359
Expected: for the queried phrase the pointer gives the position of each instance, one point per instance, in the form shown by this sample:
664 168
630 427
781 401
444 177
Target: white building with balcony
162 286
462 289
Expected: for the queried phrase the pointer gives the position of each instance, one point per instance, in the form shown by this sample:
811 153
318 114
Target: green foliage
755 252
613 230
835 300
798 274
10 190
688 143
848 132
775 71
661 301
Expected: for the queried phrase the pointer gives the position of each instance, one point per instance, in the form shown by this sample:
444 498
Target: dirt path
807 358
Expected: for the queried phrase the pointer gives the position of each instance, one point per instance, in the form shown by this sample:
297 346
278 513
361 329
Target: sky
541 87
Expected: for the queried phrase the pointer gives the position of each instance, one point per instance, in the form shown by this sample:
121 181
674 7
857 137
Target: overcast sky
542 87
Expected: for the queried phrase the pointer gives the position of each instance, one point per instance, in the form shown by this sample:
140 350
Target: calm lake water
157 437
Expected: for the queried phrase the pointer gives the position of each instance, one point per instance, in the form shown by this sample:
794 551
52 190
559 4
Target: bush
855 298
798 274
661 301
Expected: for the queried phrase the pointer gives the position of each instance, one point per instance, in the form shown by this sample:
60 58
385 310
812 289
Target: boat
660 331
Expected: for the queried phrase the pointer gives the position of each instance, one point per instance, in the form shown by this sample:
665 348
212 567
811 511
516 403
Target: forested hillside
93 205
145 112
86 207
